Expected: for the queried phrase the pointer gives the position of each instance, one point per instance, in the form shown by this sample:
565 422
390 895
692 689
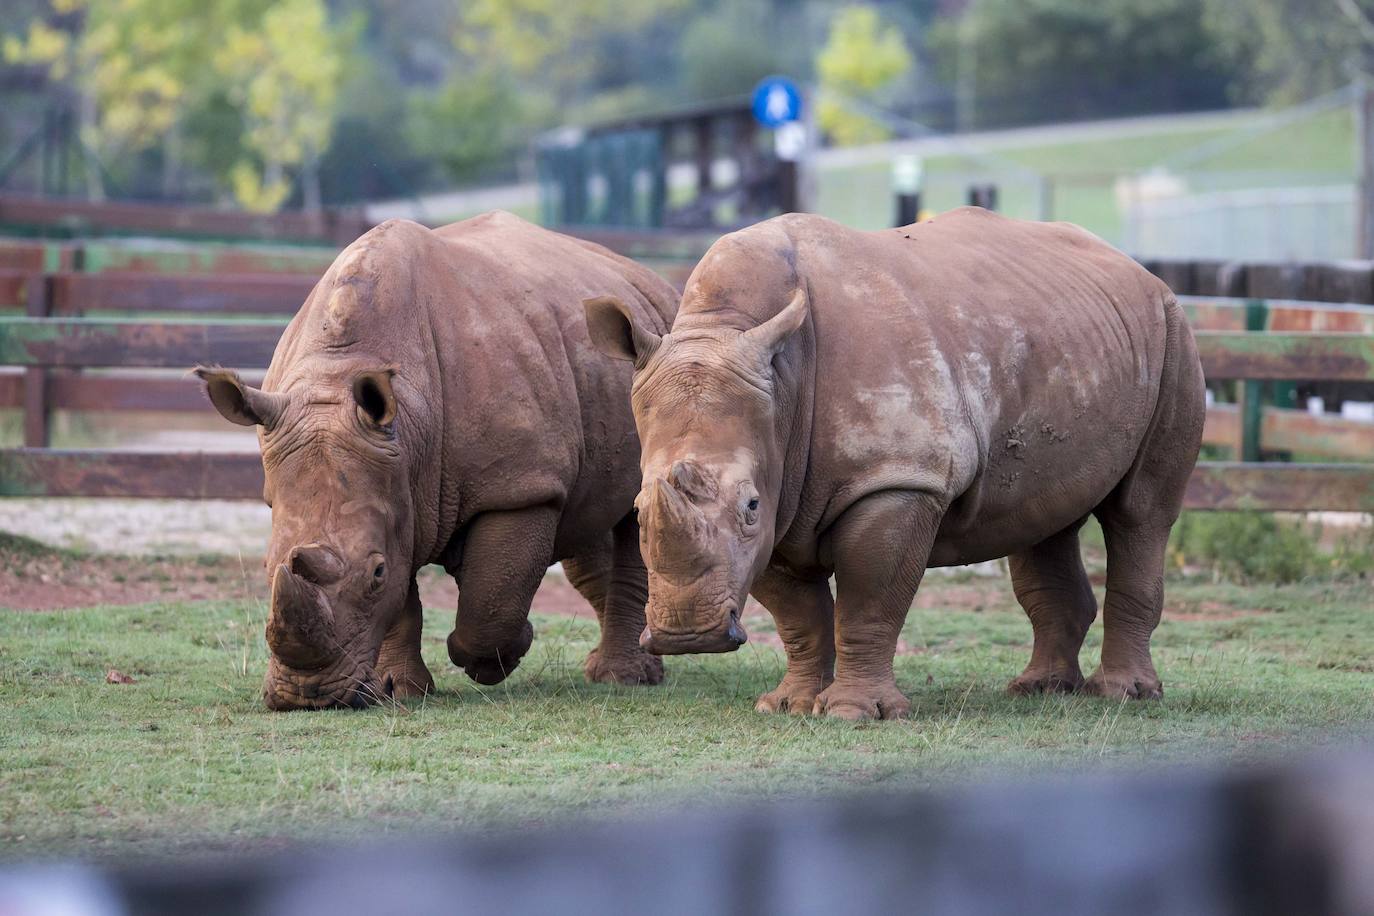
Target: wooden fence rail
36 344
1303 340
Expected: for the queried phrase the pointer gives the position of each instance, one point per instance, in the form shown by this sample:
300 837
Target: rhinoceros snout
725 638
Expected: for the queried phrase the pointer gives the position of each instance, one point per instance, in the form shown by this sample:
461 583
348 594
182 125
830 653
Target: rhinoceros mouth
345 684
727 636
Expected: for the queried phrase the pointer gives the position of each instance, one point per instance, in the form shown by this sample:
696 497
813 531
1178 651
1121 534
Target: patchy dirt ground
141 526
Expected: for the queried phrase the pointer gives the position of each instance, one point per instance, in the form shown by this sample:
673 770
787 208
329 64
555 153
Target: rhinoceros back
1011 367
482 321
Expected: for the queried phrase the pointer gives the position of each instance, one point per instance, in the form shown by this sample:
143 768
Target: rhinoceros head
339 558
704 405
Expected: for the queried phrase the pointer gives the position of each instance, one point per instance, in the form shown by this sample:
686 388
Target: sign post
777 105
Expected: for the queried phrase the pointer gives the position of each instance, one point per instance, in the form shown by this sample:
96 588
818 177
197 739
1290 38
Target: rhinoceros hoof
857 702
797 699
633 668
491 669
1041 680
1124 685
402 683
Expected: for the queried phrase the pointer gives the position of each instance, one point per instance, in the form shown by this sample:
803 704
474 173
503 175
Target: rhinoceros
437 400
870 404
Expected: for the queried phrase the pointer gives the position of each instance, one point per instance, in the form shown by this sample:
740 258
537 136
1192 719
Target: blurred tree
283 73
861 57
721 52
1040 60
551 41
247 84
472 122
1291 50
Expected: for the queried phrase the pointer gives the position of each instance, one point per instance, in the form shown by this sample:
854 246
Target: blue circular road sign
777 100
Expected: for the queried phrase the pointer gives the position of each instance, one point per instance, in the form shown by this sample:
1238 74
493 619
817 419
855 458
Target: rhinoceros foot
403 682
1119 684
1046 680
796 696
495 668
861 700
633 667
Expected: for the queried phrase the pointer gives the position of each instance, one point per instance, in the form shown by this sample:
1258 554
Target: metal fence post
1252 392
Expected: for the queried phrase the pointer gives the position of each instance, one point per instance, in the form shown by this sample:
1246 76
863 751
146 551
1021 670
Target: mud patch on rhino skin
1016 442
1049 432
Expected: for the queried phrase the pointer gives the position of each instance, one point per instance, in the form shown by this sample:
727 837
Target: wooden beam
280 294
199 475
94 218
151 475
78 342
1289 357
1281 487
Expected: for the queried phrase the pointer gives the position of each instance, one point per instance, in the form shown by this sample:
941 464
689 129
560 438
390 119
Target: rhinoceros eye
754 504
380 571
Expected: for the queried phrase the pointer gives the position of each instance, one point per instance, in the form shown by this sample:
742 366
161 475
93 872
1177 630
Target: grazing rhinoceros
437 400
869 404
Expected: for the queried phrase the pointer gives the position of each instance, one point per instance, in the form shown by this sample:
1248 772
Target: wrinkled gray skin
437 400
868 404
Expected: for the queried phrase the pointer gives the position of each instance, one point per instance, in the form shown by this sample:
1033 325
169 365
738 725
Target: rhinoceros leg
611 577
1137 516
1053 589
399 662
1135 599
505 555
879 549
804 612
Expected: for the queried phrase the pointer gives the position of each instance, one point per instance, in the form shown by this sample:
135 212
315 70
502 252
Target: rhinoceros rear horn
773 333
615 331
240 403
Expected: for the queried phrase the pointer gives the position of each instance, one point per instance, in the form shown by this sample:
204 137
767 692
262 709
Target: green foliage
1293 49
245 99
721 53
861 57
1039 60
283 72
467 124
1263 547
551 40
252 81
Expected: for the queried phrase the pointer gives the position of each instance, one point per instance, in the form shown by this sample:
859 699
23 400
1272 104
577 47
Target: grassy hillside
1082 173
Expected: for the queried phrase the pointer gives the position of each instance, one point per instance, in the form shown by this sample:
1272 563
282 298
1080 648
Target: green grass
188 758
1318 150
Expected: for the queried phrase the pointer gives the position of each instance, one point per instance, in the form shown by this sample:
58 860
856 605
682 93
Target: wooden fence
66 218
64 332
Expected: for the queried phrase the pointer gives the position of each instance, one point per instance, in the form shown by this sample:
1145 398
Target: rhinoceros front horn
296 630
683 545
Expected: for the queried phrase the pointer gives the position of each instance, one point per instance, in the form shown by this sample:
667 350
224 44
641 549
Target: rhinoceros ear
615 332
374 396
240 403
773 333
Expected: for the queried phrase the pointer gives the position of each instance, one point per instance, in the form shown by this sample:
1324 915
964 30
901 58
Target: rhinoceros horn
683 525
296 631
